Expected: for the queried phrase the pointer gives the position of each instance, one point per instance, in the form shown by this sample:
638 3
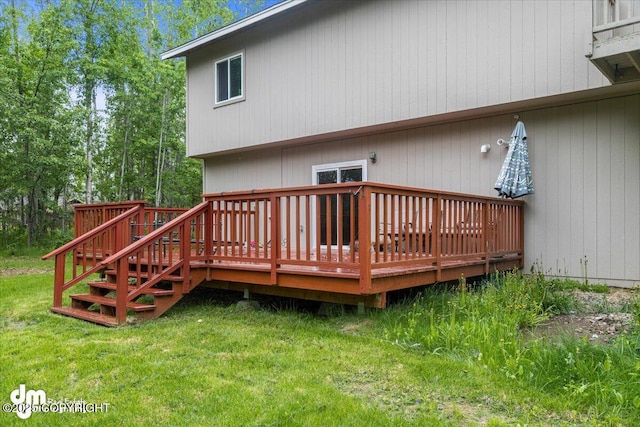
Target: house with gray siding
407 92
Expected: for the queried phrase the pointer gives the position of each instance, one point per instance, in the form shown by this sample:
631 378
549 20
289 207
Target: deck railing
166 253
101 231
354 229
323 227
613 15
88 217
86 252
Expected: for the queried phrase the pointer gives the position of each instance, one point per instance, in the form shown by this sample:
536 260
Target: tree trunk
89 105
32 217
160 152
124 156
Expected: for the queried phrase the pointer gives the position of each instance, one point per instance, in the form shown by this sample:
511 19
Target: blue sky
239 6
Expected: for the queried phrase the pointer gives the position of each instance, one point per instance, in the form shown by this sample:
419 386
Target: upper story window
230 79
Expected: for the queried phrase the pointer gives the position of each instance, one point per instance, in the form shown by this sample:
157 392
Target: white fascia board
182 50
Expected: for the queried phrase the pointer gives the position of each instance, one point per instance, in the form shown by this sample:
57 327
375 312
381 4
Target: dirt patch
355 327
599 317
617 299
604 328
19 271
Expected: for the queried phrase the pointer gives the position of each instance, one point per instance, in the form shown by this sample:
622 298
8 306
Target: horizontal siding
583 218
337 65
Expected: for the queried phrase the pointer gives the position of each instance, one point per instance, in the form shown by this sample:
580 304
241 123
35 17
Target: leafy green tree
145 151
37 136
89 111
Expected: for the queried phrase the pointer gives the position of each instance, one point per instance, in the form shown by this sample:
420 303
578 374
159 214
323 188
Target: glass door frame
315 169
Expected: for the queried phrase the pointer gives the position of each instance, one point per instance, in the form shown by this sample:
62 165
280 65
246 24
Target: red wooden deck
305 242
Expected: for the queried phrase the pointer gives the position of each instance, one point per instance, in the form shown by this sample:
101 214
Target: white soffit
249 21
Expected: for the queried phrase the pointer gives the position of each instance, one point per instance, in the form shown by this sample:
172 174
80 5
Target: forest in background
90 113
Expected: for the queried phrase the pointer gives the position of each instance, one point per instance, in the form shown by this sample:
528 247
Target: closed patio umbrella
515 179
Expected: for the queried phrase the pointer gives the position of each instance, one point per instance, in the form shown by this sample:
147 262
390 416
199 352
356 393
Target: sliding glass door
331 208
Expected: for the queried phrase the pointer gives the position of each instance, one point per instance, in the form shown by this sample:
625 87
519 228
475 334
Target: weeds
485 326
461 359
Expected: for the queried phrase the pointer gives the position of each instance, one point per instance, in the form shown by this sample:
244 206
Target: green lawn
209 363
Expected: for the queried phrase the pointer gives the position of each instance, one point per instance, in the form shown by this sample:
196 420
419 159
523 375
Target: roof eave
244 23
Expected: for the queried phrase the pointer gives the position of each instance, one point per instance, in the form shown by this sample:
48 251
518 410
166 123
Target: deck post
139 220
121 290
485 231
79 217
364 234
437 234
122 279
208 237
275 237
77 221
184 236
521 233
58 284
118 240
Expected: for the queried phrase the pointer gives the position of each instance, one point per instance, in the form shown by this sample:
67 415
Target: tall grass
207 362
484 325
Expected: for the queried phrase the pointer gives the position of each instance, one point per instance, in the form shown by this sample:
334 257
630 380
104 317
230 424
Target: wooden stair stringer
164 302
99 291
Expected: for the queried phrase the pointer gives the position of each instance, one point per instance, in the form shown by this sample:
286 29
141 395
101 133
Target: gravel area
601 317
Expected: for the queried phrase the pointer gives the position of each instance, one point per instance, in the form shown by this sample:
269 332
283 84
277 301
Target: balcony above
615 44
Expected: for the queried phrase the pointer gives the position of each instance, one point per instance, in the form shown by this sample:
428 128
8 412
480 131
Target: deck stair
145 275
99 304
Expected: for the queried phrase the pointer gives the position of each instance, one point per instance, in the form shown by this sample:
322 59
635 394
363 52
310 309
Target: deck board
322 272
327 278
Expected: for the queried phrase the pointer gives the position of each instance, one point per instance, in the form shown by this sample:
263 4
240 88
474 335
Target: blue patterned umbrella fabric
515 179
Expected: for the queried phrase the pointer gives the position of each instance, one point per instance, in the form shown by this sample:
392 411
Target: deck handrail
103 211
111 230
92 245
90 234
158 232
427 226
155 256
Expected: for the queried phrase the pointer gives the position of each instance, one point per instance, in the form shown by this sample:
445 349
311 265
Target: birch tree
37 138
89 111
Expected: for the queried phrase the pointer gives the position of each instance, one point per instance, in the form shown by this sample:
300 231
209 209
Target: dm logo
25 400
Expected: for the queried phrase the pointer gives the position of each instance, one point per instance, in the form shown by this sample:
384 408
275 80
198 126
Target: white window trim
341 165
314 180
215 81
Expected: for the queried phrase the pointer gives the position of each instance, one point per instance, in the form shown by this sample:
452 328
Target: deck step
90 316
111 302
112 287
99 256
144 275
